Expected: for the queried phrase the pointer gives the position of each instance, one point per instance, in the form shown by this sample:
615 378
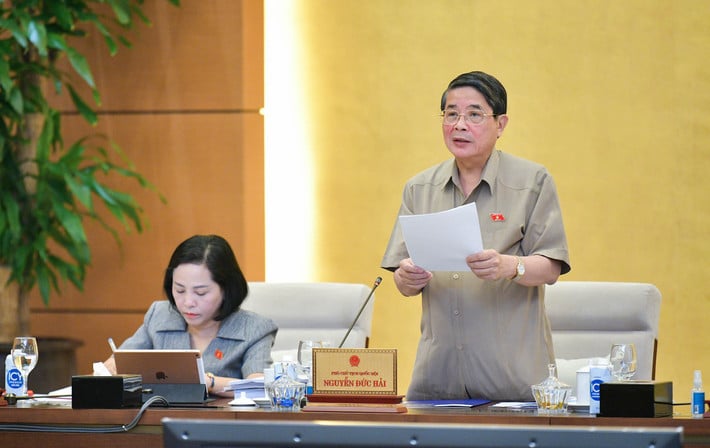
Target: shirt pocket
506 238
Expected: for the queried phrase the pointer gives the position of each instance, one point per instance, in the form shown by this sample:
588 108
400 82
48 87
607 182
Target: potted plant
49 187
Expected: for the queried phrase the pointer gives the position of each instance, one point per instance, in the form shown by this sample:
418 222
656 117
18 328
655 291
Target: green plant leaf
122 10
56 41
73 156
85 111
80 65
81 191
111 44
17 101
11 215
15 30
5 79
44 277
56 118
97 97
126 43
140 15
37 34
62 14
45 137
71 223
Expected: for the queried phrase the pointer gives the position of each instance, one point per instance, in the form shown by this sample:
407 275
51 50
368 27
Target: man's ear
502 121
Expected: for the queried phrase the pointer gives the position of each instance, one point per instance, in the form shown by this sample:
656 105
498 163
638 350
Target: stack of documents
252 387
463 403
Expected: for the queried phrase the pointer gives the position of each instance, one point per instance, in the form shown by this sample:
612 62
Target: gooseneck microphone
378 280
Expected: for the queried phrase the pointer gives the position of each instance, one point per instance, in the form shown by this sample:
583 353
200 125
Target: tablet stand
176 394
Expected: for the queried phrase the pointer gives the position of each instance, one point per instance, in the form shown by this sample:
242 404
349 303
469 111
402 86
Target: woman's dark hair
215 253
491 89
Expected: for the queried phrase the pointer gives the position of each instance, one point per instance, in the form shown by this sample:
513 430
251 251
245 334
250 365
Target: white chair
588 317
312 311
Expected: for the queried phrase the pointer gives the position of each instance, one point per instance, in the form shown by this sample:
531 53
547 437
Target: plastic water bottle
698 395
14 381
599 372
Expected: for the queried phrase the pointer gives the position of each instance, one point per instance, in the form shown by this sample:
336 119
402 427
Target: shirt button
457 312
455 276
459 347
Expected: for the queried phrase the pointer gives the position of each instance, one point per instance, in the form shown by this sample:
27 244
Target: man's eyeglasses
471 116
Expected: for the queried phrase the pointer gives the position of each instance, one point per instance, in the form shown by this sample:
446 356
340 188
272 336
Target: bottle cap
697 378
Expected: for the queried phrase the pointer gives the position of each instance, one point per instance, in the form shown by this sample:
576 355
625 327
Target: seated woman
205 288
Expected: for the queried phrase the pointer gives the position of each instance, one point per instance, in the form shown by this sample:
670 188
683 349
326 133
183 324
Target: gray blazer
242 346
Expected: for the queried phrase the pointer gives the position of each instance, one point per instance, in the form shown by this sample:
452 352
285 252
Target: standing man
484 333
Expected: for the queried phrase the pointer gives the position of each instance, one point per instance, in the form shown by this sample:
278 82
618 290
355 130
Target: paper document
246 384
467 403
442 241
514 406
252 387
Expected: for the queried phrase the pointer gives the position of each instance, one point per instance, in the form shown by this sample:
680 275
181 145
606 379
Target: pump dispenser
698 395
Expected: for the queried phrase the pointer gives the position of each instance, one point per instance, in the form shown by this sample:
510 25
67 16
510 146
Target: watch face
521 268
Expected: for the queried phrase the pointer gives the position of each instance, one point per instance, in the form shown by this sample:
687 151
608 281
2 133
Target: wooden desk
148 433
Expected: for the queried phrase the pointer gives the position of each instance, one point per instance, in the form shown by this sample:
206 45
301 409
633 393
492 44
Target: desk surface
148 433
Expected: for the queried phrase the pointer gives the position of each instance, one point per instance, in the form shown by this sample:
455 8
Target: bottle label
698 403
594 388
13 379
597 376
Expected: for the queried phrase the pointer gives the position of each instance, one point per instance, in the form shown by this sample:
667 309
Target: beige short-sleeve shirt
485 339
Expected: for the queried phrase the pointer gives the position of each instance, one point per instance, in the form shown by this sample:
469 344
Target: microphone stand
378 280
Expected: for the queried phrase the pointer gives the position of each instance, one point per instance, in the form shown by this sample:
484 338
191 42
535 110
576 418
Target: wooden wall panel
204 55
184 106
93 329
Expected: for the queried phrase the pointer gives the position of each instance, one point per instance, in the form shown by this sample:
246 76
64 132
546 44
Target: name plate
356 371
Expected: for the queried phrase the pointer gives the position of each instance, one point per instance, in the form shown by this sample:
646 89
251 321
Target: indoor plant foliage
49 186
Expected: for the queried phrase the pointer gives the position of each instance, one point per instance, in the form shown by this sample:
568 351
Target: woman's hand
111 365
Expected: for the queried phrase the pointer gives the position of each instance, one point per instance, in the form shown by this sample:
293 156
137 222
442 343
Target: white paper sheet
442 241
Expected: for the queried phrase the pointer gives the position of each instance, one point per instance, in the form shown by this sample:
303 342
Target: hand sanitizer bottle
698 396
14 381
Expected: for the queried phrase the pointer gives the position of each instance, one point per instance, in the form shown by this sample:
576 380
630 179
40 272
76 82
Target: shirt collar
489 174
173 321
232 327
490 171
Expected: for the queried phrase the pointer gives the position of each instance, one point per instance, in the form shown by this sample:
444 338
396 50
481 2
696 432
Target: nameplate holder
354 371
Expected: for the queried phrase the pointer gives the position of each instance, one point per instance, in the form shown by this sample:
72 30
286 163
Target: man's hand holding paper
410 278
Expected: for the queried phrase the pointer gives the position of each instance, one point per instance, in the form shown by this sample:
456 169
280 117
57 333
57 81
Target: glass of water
25 355
305 359
623 361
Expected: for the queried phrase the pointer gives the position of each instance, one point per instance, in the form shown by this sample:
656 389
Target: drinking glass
623 361
25 354
305 351
305 359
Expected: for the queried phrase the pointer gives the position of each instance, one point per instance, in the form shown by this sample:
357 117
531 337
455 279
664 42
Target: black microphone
378 280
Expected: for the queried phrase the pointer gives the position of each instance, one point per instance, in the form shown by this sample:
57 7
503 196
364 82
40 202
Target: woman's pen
111 344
